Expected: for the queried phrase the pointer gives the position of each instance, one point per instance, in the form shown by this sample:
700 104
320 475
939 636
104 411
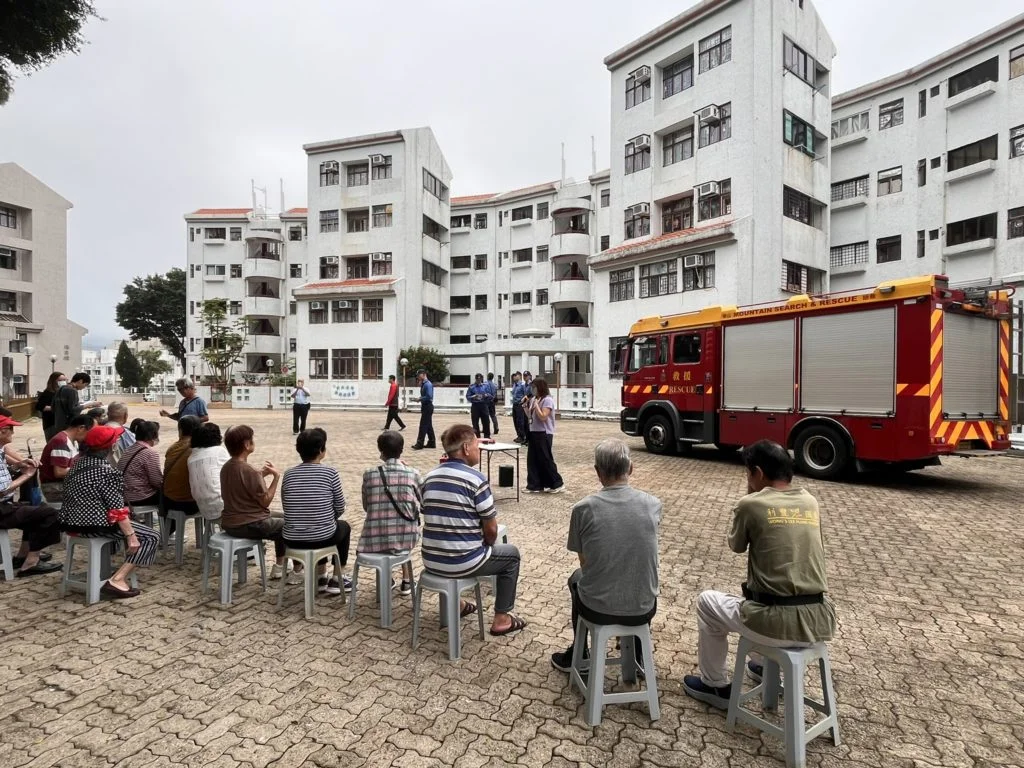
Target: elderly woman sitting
94 505
140 466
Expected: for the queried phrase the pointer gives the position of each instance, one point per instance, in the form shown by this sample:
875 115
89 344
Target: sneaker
346 583
534 490
295 577
559 489
406 587
328 586
276 572
562 660
754 670
695 688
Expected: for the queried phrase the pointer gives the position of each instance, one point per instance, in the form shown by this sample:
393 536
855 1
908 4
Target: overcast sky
175 106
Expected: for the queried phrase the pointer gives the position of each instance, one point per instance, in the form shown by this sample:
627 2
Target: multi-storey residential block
34 328
928 168
101 365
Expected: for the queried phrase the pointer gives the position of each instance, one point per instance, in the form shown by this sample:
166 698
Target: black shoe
401 428
562 660
695 688
39 569
755 670
431 446
418 447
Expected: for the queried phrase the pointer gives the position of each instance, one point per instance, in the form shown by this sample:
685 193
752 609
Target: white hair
611 459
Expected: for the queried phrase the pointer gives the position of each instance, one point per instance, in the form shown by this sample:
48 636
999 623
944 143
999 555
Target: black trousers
38 525
479 413
340 539
393 416
493 411
541 470
426 425
579 609
519 420
299 413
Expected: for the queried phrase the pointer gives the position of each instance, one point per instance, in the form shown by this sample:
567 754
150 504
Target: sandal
516 625
467 610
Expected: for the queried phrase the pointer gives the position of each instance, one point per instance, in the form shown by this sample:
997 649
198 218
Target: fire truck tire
724 448
659 437
822 452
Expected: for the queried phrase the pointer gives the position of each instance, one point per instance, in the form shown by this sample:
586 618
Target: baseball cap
102 437
7 421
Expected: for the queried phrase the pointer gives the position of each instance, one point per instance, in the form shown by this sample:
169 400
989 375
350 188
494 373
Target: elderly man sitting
615 534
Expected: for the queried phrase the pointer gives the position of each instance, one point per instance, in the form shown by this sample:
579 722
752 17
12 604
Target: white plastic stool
227 549
792 662
383 565
594 696
450 590
501 538
147 515
309 559
97 566
6 561
179 518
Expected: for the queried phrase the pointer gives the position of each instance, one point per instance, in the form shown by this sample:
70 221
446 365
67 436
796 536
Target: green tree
35 33
151 364
427 358
127 367
154 308
227 340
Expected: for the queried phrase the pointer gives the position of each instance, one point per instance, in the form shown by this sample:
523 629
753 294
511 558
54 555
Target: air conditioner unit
641 141
330 259
379 257
344 304
377 160
642 74
709 114
315 305
696 260
708 189
640 209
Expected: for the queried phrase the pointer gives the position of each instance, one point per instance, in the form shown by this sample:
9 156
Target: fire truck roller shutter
848 362
970 366
759 366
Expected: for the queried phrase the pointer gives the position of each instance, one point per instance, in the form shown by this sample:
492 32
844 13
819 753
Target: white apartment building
101 365
928 168
36 335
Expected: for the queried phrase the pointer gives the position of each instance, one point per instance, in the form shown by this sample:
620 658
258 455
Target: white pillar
490 363
524 362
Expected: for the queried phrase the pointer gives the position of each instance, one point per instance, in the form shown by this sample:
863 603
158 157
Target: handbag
387 490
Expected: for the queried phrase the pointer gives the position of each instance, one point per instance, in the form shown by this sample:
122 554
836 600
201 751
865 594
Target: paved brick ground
926 570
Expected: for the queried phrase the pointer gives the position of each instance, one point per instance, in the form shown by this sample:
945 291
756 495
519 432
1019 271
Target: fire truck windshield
642 351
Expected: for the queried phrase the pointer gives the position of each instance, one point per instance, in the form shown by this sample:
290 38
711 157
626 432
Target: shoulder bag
387 490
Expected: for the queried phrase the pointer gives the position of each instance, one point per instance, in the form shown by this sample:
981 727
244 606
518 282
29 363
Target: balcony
850 139
971 95
847 203
571 206
268 306
574 270
271 269
263 344
572 316
972 246
263 234
520 222
569 291
968 171
569 244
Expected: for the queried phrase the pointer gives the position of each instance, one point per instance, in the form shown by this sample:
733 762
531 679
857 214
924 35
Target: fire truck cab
897 375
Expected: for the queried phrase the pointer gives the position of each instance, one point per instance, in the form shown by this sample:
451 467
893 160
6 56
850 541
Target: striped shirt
385 530
59 452
313 501
142 475
456 502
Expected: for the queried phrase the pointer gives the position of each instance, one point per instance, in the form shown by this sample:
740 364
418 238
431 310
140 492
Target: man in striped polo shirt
460 527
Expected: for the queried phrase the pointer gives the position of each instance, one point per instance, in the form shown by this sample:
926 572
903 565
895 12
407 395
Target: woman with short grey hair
611 459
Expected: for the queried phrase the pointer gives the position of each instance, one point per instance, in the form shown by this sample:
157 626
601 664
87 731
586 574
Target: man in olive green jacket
784 603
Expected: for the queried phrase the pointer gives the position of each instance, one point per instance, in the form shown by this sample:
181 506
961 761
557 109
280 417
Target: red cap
102 437
7 421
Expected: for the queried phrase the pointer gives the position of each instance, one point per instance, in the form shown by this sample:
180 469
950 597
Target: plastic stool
450 590
384 565
147 515
594 696
309 559
228 549
792 662
6 561
179 518
501 538
97 568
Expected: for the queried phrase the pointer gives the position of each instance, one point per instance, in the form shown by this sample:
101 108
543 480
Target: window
317 312
480 221
329 173
638 154
799 62
216 233
638 222
542 253
373 310
970 230
8 301
890 181
888 249
382 216
701 273
293 307
1017 62
432 317
620 284
293 345
358 175
236 270
615 347
922 172
480 301
344 364
605 242
328 267
637 91
677 146
235 308
936 162
920 243
236 234
797 133
542 297
294 270
381 170
677 77
318 363
796 278
522 255
461 222
851 188
976 75
521 298
357 268
358 221
461 262
345 311
1017 141
933 234
712 133
890 115
677 215
716 49
542 211
850 125
380 264
715 205
432 273
922 103
459 340
431 228
480 261
934 91
606 198
295 234
434 186
8 258
373 363
460 302
979 151
215 270
686 349
329 221
8 217
848 255
1015 223
796 205
658 279
522 213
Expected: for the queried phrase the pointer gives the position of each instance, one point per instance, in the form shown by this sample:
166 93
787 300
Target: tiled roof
297 211
13 317
536 189
469 199
222 212
662 242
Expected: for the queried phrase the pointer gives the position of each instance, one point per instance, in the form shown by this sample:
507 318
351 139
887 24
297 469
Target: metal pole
405 391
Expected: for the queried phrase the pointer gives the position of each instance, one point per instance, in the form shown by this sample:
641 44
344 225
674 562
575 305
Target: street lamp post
558 377
28 371
405 393
53 363
270 384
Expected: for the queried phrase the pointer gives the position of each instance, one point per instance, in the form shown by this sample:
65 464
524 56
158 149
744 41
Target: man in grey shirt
615 534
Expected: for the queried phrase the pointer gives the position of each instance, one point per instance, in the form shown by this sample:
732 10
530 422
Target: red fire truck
898 375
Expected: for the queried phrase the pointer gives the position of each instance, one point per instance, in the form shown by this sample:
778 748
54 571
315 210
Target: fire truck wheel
659 437
822 453
727 448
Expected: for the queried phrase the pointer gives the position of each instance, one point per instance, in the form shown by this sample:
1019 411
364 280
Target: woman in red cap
94 505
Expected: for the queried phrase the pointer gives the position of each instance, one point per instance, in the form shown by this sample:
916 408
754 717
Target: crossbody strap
387 490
